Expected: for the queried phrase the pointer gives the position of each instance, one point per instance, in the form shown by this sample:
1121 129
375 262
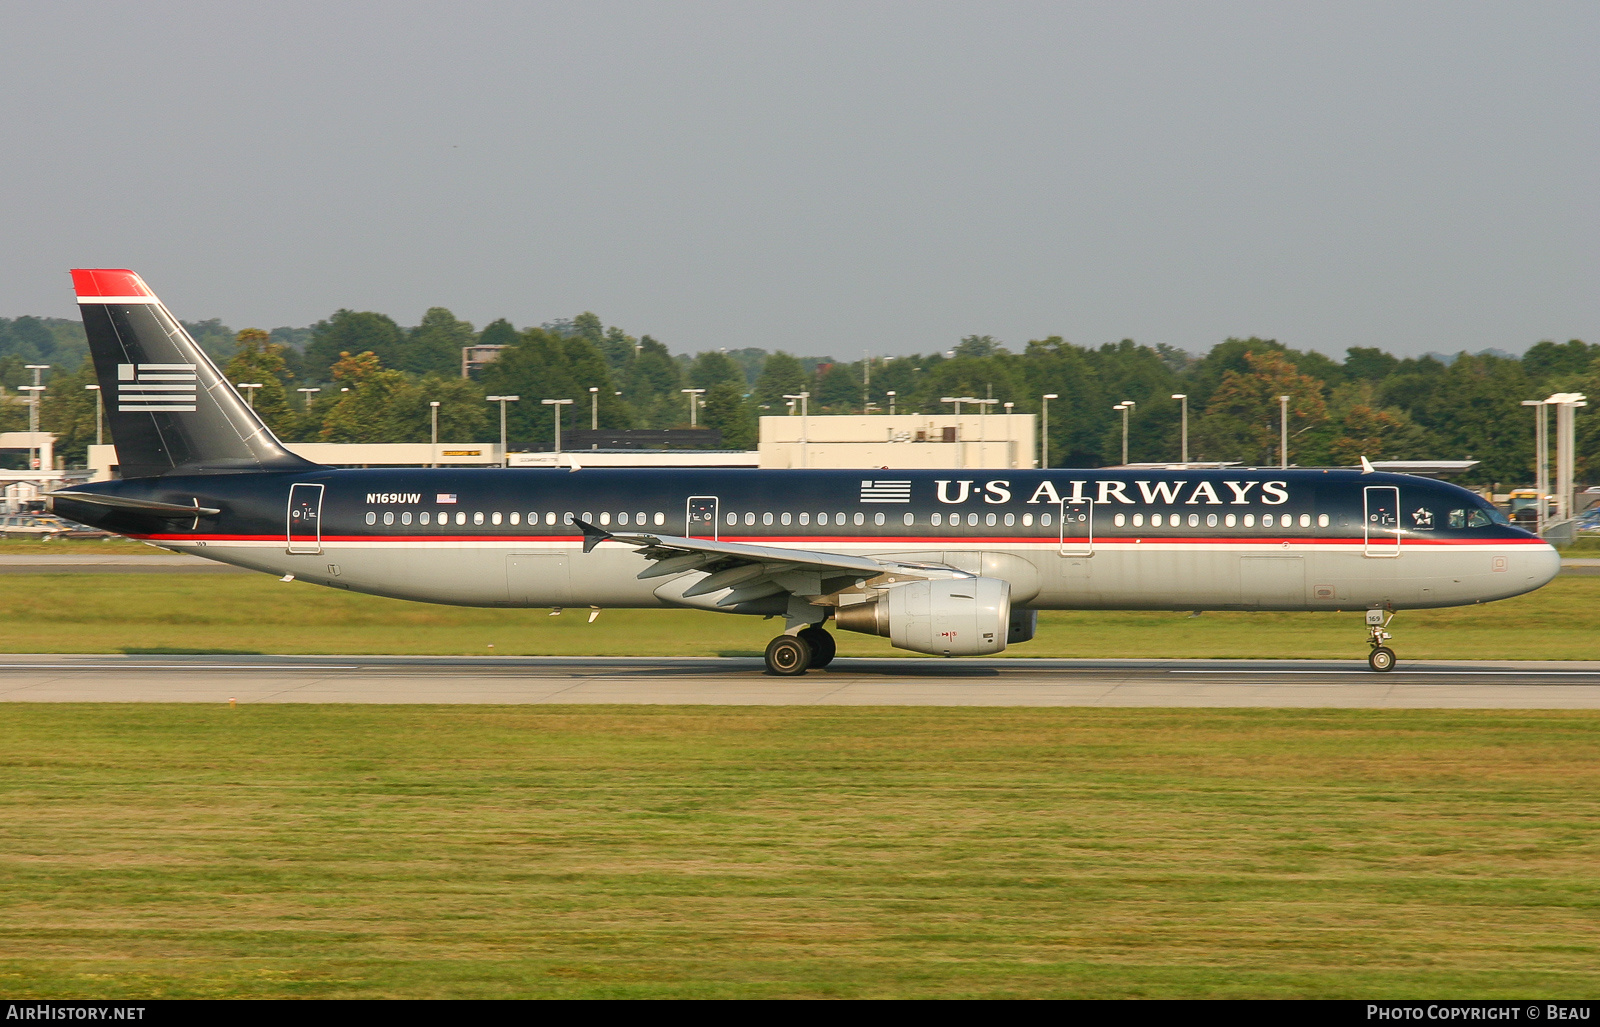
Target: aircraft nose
1545 564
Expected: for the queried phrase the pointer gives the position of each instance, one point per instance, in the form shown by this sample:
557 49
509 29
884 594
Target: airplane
949 563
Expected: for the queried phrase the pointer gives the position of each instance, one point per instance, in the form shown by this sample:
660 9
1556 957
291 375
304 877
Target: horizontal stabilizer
144 506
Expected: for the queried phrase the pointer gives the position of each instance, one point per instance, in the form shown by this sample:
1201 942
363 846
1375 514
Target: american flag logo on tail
155 388
886 491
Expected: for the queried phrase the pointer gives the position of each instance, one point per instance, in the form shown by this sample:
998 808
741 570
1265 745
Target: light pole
308 393
1541 457
250 391
1566 404
594 408
33 411
694 402
1283 432
433 415
804 423
99 414
1185 397
558 404
1125 406
891 402
1045 434
503 400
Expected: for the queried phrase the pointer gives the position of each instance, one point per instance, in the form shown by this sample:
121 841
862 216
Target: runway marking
1413 673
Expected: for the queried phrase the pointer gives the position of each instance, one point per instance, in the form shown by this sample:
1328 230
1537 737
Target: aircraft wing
753 572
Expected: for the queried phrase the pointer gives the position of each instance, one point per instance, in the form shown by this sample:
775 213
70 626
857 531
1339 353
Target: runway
848 682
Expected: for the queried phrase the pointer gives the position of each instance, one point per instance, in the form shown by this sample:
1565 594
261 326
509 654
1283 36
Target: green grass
259 614
114 546
305 851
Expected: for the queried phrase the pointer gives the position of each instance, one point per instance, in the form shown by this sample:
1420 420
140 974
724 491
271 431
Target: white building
929 441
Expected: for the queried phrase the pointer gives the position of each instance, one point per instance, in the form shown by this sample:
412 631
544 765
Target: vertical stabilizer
169 408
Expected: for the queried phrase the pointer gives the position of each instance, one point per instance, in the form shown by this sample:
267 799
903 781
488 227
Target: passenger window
910 519
494 518
938 519
1027 520
405 518
805 518
733 518
550 517
766 518
372 518
424 517
661 518
784 518
972 520
1194 520
822 518
638 518
838 518
388 517
622 518
750 518
860 519
1249 520
1322 520
1119 520
877 519
1266 520
461 517
1155 520
1305 520
1044 519
1211 520
605 516
516 518
566 518
1138 520
1011 519
1230 520
989 520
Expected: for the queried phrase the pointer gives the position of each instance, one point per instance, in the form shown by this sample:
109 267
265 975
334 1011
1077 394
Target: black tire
788 656
823 647
1381 659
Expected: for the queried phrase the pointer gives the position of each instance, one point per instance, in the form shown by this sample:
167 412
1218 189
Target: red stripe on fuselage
811 540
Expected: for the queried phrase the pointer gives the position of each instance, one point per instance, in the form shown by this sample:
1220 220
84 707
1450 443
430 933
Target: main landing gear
1381 659
788 655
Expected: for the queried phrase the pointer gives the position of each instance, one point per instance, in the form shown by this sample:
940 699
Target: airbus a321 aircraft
953 563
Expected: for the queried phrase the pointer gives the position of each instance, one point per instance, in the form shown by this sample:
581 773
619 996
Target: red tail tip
99 282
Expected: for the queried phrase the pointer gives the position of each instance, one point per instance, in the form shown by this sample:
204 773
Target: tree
259 360
349 331
435 345
67 409
780 376
727 412
1242 421
713 368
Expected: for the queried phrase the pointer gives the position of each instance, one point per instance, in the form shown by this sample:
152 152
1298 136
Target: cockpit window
1475 517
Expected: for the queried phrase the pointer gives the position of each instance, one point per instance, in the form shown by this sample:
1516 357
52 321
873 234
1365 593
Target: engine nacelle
951 617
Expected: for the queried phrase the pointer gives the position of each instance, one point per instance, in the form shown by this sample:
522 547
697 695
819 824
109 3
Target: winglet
592 536
1366 466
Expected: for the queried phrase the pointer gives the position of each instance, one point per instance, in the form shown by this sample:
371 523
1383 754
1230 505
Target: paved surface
910 682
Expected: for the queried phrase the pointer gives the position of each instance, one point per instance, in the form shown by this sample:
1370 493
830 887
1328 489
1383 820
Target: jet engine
950 617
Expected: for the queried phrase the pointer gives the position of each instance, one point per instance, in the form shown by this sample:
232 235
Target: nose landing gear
788 655
1381 659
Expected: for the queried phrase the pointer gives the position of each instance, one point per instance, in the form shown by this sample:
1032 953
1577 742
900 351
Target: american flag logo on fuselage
155 388
886 491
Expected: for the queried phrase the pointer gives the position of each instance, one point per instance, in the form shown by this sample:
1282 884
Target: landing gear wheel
822 647
1381 659
788 655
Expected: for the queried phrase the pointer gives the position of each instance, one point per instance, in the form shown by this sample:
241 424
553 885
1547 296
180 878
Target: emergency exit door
305 518
1077 528
1382 520
702 518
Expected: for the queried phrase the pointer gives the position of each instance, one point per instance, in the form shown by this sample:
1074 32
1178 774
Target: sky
817 177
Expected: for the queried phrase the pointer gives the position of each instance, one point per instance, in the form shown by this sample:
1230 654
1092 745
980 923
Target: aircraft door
1382 521
702 518
1077 528
305 519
